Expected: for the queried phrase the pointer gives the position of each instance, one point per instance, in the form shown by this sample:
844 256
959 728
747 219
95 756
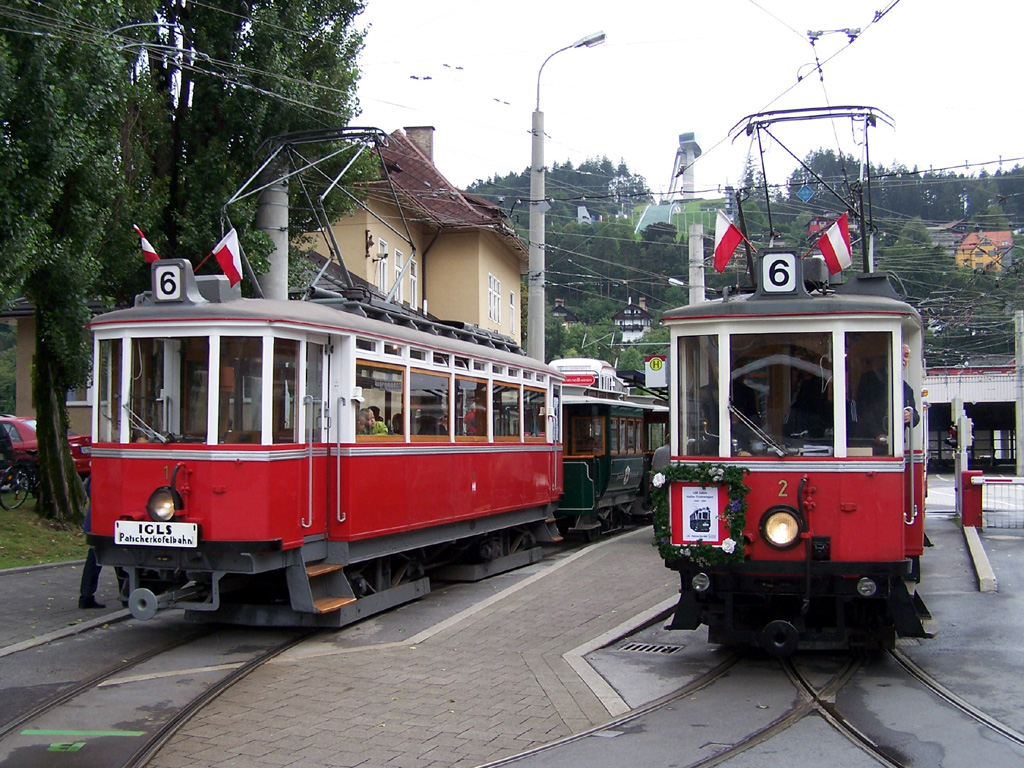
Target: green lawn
26 539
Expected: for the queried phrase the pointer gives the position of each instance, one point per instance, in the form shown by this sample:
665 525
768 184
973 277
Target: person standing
91 569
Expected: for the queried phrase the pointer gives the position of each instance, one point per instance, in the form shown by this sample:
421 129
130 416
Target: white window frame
399 259
494 299
414 284
382 266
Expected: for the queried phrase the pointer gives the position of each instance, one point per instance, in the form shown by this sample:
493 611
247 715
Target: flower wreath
732 549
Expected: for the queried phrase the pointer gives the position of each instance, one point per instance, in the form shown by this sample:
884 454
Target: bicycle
17 482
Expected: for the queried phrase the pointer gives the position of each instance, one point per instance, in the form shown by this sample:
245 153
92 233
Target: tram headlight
866 587
161 505
780 527
700 582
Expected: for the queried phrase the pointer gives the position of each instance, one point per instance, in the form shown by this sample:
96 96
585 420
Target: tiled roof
1001 239
422 187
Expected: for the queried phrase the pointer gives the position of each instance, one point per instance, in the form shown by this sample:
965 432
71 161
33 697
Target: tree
151 112
62 88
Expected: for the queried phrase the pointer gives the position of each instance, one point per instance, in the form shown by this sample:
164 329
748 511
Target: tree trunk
61 493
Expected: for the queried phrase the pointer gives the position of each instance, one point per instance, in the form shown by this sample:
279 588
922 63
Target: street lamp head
590 40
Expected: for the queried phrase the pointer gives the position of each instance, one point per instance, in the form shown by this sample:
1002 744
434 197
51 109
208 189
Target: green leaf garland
706 474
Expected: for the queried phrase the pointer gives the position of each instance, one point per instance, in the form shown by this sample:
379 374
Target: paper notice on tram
835 246
727 239
228 255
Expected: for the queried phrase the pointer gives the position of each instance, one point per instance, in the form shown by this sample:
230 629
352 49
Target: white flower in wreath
658 481
728 546
717 474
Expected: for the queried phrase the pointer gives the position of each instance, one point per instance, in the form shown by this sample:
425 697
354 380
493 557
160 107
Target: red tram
309 463
793 507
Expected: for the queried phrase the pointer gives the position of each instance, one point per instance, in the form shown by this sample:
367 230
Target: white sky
943 70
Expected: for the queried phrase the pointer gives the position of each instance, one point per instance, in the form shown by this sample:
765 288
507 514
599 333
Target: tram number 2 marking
167 281
783 488
778 273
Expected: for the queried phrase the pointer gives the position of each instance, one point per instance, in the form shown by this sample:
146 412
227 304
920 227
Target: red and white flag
229 256
835 245
148 251
727 239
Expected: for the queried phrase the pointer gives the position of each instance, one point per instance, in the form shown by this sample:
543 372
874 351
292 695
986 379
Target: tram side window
533 412
505 411
869 409
698 400
383 395
195 387
428 403
632 436
109 394
286 392
587 436
240 399
470 407
614 434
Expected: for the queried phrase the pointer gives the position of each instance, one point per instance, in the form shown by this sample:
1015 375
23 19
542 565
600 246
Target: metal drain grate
650 648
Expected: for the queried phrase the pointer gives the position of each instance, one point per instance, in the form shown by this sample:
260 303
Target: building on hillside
985 250
564 315
949 235
633 320
462 260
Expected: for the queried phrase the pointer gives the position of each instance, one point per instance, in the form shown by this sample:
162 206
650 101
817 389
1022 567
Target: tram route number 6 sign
778 273
167 282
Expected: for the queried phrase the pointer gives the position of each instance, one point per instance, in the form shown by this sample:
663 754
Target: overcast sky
943 70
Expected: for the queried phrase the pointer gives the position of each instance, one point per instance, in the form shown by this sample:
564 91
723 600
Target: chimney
423 137
559 302
643 303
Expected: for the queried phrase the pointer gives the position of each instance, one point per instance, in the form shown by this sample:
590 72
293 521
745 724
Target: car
22 432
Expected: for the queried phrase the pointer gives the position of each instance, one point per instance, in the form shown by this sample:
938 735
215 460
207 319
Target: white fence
1002 501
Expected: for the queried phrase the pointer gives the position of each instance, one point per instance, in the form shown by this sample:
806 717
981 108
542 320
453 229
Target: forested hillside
596 266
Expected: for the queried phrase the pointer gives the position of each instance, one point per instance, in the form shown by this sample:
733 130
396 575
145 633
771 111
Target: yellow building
985 250
451 254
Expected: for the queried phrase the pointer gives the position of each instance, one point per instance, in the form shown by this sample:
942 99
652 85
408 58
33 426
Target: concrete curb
987 581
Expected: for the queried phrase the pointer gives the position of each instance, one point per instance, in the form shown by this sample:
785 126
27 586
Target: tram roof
320 316
865 294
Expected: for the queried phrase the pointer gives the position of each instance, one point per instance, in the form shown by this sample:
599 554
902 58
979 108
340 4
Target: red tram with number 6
311 462
793 506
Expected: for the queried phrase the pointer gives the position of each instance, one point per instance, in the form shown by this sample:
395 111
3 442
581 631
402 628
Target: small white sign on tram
167 282
778 273
153 534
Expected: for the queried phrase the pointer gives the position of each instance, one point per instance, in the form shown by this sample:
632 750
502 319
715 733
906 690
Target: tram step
319 569
328 604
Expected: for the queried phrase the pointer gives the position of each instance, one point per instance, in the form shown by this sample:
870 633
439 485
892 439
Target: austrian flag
727 239
229 256
148 251
835 246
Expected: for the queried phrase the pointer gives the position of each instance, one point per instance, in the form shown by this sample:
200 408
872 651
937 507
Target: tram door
314 412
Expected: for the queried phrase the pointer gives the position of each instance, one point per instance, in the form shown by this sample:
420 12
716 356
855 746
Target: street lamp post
538 207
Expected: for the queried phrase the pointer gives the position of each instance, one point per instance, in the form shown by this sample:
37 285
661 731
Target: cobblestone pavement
491 681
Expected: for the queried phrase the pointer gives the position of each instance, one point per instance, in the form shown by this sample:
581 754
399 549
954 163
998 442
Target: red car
22 432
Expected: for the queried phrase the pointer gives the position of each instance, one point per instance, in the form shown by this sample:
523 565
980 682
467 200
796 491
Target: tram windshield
175 384
779 397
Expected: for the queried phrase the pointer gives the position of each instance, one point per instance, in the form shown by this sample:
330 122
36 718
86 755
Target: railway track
123 707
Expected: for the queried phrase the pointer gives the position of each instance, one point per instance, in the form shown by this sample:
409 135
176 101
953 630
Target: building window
398 275
511 312
413 284
382 266
494 298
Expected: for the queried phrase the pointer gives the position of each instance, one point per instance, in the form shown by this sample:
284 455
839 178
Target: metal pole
535 317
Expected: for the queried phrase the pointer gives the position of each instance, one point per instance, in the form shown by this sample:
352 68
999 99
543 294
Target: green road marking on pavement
34 732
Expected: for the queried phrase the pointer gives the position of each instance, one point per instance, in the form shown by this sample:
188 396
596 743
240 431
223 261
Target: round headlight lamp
700 582
780 527
161 505
866 587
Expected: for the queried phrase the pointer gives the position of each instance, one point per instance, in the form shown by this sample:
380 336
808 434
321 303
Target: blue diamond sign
805 193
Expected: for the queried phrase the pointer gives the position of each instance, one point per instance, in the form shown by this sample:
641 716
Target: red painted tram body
311 462
793 507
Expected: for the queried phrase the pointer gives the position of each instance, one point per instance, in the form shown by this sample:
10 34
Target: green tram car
608 440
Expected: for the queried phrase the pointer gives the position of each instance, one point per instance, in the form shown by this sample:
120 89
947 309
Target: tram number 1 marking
167 280
778 273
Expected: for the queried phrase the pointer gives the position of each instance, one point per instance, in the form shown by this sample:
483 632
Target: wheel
14 487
